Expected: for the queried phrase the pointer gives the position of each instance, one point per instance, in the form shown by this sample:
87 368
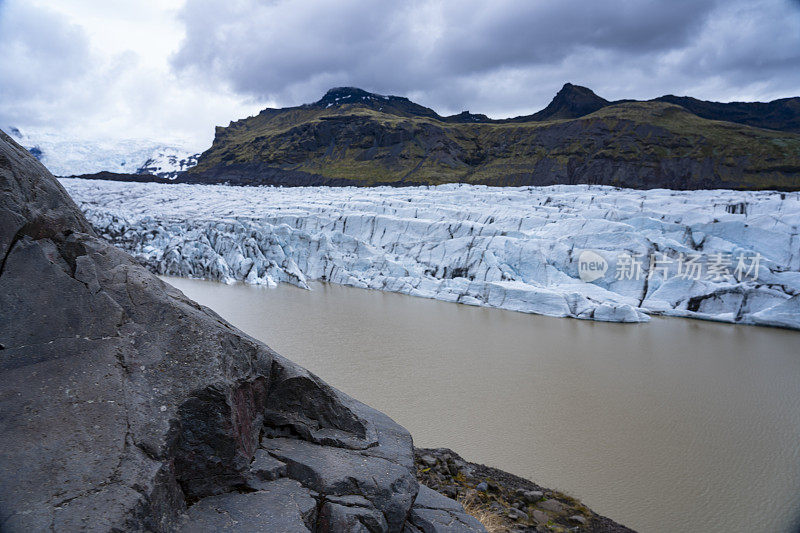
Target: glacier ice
65 155
511 248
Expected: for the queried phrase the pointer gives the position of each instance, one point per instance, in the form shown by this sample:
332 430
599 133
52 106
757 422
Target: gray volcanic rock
434 512
282 505
126 406
350 513
389 487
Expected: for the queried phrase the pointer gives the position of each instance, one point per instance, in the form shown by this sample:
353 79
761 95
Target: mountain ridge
782 114
571 101
354 137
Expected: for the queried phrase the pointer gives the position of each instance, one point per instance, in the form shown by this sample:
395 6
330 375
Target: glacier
515 248
66 155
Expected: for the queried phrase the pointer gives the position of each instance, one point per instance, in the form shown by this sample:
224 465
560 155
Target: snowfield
67 156
720 255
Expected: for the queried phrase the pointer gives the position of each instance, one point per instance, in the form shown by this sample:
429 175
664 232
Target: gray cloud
103 70
38 54
502 57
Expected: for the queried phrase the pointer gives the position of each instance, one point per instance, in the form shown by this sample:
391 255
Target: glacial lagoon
671 425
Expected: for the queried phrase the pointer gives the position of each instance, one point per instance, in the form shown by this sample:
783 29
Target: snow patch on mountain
512 248
68 156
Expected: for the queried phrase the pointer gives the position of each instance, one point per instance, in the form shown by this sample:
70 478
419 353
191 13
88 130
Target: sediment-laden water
672 425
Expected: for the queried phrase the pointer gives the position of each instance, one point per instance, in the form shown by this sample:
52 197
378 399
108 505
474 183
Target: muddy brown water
673 425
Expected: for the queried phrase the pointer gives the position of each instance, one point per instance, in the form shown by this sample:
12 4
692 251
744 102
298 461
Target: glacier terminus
511 248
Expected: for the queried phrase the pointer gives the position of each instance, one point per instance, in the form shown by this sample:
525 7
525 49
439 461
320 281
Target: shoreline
505 502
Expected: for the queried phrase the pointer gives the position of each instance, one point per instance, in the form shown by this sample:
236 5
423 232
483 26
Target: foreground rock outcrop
125 406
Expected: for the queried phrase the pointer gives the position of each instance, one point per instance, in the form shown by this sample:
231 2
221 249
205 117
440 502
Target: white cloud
101 70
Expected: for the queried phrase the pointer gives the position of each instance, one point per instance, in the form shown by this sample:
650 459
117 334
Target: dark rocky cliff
124 406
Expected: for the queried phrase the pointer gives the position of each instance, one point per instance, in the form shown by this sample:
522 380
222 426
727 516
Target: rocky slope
127 407
513 248
352 137
510 503
782 114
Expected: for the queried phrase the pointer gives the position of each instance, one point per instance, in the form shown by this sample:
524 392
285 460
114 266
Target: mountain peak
466 116
573 101
570 89
398 105
349 95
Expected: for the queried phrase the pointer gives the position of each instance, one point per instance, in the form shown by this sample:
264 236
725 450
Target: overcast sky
166 69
